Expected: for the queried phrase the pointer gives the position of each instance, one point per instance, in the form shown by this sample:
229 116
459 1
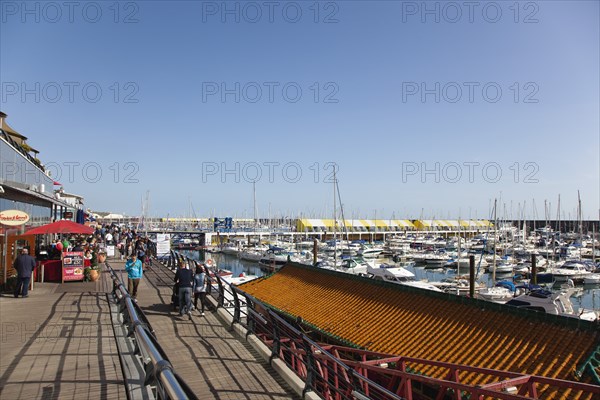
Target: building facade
27 197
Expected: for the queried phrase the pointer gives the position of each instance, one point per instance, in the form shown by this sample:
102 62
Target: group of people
188 283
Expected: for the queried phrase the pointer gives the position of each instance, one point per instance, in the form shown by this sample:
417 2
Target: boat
505 268
274 258
351 265
457 285
230 248
556 303
436 259
399 275
370 252
253 253
592 279
501 292
574 270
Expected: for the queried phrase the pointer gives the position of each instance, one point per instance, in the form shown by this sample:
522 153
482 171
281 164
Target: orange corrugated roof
412 323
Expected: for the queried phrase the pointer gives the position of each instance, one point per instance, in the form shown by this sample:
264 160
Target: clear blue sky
376 66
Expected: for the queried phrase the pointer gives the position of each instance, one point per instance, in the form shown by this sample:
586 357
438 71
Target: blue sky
423 117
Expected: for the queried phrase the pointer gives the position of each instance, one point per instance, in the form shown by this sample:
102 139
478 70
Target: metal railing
321 372
342 372
159 373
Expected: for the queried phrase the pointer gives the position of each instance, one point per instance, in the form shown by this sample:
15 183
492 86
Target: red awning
63 226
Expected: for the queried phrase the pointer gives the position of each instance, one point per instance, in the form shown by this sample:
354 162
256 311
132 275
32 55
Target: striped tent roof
450 223
357 224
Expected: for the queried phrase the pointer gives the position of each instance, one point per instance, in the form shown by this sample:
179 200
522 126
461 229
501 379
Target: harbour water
587 296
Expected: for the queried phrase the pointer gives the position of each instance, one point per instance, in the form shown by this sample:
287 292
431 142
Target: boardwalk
214 362
59 344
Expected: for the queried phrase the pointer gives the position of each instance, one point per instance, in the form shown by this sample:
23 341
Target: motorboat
502 292
351 265
274 258
570 269
253 253
399 275
457 285
592 279
504 268
230 248
370 252
557 303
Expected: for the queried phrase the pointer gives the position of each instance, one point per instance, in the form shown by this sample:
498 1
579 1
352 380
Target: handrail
158 369
354 382
332 375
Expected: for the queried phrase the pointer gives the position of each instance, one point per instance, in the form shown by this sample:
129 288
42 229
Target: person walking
135 272
200 282
140 248
24 264
185 278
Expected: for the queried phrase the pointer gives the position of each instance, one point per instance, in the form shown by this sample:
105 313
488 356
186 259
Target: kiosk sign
72 266
13 217
163 244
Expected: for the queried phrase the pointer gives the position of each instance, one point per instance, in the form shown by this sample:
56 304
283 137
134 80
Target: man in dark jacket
24 264
185 278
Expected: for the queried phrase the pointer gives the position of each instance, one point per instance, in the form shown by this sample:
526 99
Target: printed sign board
72 266
163 244
110 251
13 217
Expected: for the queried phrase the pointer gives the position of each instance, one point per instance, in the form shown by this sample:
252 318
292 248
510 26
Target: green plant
94 259
86 274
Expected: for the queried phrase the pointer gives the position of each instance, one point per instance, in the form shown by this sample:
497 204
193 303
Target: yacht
370 252
399 275
352 265
574 270
557 303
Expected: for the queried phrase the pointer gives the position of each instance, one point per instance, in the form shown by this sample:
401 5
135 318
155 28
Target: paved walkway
59 343
212 360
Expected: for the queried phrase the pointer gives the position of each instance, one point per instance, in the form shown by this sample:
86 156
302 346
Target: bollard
533 270
472 276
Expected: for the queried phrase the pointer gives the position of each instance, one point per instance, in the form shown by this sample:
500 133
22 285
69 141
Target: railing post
250 318
310 366
221 299
236 303
276 337
209 282
354 381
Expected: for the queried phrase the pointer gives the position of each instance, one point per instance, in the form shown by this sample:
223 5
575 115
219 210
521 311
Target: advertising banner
163 244
72 266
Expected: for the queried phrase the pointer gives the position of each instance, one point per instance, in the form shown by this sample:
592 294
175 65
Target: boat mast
344 229
580 223
593 243
553 241
334 221
254 200
495 240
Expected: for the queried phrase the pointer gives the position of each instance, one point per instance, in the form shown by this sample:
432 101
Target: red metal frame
395 374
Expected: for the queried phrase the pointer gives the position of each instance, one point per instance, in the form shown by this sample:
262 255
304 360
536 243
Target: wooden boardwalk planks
59 343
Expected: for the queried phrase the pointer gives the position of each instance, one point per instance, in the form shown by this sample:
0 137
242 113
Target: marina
300 200
585 296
